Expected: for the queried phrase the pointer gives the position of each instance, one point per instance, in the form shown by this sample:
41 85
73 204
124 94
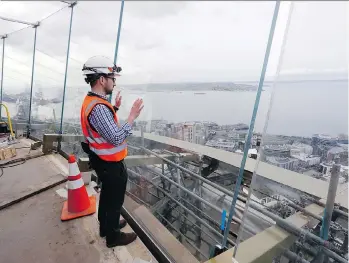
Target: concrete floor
32 231
26 178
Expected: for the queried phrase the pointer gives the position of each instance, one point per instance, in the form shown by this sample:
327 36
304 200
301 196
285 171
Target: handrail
289 178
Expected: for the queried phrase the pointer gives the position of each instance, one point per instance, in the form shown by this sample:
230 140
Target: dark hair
92 78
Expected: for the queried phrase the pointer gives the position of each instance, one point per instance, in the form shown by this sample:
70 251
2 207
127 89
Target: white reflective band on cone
72 185
73 169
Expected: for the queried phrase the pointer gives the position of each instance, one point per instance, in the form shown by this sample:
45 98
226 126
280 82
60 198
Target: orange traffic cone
79 203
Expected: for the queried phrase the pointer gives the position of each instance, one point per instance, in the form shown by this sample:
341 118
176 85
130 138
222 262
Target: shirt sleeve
102 120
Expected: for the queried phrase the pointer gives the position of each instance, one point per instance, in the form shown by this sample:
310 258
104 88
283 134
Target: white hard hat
100 65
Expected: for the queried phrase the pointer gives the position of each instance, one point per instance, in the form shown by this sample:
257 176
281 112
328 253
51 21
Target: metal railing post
142 137
331 196
2 69
66 65
179 161
254 114
32 81
118 38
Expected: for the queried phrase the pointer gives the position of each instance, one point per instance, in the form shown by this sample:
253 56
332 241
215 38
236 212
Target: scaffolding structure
177 186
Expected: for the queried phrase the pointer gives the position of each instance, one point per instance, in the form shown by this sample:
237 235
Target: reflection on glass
198 79
17 74
89 37
306 130
49 73
197 67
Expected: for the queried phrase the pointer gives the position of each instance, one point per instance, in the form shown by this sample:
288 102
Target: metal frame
118 37
2 69
185 208
253 119
214 207
35 26
295 230
32 80
134 160
19 21
66 64
315 187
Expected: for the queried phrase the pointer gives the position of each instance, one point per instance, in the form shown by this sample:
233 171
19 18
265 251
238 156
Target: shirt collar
97 94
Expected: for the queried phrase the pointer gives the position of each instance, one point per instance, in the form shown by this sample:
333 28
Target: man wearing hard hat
105 143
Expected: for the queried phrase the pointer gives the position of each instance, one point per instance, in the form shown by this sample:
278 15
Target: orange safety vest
97 144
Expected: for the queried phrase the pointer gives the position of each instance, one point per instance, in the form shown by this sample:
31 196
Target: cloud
154 9
177 41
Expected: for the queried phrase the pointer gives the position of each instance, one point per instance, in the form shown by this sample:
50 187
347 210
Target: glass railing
17 73
305 127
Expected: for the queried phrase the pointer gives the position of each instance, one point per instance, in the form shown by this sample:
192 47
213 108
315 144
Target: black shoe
122 224
122 239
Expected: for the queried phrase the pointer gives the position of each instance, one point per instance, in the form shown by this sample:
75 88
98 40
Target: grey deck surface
26 178
32 231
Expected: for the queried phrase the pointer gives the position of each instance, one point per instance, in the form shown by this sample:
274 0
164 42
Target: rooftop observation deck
180 193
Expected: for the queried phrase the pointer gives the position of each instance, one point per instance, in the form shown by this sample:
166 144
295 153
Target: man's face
108 84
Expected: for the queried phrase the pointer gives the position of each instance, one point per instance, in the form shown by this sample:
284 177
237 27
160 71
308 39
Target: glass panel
90 37
17 75
49 73
196 65
306 129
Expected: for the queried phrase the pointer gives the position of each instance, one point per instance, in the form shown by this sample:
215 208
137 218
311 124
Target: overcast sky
175 41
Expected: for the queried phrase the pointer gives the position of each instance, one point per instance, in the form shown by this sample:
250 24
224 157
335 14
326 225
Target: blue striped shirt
102 120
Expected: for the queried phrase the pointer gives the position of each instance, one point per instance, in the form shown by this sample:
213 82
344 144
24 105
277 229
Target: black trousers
113 176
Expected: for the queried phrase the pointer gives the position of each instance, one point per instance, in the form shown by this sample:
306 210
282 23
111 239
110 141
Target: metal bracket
72 4
302 236
17 21
300 257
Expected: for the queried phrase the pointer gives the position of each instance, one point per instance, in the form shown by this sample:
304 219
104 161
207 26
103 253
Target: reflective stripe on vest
109 151
89 107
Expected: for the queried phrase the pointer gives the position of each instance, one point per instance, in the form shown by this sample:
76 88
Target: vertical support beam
179 161
162 179
32 81
345 243
198 204
331 196
2 69
66 65
182 227
253 119
142 136
118 38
